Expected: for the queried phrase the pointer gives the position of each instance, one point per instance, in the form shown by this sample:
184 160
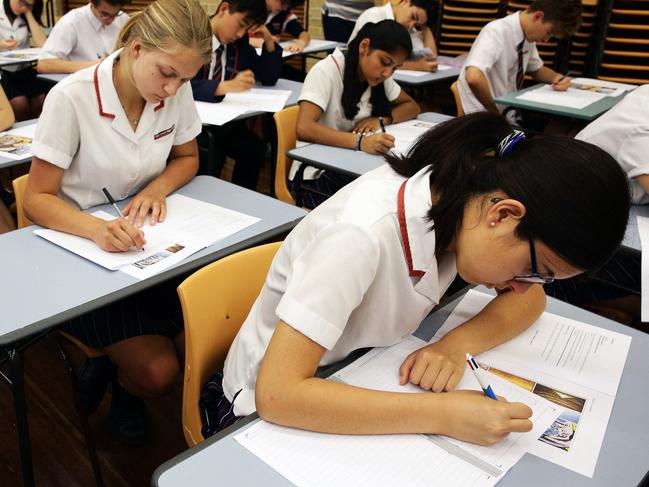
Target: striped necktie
218 65
520 72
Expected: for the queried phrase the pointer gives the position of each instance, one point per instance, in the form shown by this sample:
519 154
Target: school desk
623 459
8 161
429 78
347 161
44 285
588 113
314 47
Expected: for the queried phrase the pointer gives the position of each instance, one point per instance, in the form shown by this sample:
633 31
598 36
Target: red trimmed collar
403 226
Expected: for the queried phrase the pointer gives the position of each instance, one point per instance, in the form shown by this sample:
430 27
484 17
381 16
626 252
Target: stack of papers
582 93
17 143
235 104
190 226
407 133
566 371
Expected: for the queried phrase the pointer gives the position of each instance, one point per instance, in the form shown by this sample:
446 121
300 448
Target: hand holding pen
473 365
562 83
118 235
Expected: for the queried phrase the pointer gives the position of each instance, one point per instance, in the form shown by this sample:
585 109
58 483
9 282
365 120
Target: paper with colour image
575 365
643 230
28 55
17 143
190 226
608 88
571 98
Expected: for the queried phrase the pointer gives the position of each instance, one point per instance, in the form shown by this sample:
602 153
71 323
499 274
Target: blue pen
473 365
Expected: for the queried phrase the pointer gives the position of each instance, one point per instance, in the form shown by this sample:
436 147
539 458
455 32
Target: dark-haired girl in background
472 198
20 20
343 97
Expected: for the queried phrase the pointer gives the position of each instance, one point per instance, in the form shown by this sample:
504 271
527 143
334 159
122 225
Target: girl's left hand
144 202
294 46
368 125
434 367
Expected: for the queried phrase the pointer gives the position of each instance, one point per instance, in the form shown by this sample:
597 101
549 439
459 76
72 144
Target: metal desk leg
16 361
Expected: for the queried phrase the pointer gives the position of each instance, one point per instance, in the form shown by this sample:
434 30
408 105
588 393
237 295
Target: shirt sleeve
318 86
50 143
363 19
534 63
317 302
633 155
485 51
189 123
60 42
392 89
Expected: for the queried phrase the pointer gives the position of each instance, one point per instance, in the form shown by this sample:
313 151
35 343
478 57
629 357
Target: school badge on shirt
164 133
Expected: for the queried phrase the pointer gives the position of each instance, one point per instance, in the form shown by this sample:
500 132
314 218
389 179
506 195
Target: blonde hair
165 22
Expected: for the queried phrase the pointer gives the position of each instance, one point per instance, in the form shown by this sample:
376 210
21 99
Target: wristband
359 137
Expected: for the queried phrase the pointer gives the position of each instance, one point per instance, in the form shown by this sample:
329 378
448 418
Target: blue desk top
44 284
588 113
623 460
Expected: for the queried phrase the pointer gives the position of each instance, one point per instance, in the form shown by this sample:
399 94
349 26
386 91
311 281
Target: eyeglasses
104 15
25 4
534 277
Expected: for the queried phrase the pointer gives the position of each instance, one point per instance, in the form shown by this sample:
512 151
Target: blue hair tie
508 143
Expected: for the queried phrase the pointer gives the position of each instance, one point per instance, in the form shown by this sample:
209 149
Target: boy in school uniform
280 19
414 15
235 67
505 50
83 37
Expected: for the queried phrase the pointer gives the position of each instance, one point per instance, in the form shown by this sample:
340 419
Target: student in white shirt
130 126
20 23
505 50
83 37
365 267
6 120
343 98
414 15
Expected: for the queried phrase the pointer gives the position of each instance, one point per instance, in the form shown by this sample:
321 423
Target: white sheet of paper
27 54
379 369
310 459
410 72
571 98
576 365
407 133
643 230
190 226
216 113
235 104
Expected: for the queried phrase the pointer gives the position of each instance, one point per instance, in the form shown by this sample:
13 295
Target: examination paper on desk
407 133
316 459
235 104
190 226
17 143
573 364
643 230
571 98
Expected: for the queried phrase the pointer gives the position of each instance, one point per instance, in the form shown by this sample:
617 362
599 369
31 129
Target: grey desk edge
517 475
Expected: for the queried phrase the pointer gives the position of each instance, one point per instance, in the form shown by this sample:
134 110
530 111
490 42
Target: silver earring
493 224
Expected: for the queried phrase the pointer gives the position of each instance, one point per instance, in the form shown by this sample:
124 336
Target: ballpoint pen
473 365
112 202
382 124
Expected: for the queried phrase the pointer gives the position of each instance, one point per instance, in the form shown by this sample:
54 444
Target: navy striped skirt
217 412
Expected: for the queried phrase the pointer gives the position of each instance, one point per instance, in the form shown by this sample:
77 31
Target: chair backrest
19 185
286 122
458 101
215 302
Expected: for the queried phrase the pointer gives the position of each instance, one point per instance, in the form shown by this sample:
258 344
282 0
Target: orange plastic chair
286 121
215 302
20 185
458 100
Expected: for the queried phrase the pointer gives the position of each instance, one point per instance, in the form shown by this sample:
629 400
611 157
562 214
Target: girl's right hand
6 44
118 235
476 418
379 143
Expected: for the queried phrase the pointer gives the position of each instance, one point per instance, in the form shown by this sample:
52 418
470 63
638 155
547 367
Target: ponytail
568 187
386 35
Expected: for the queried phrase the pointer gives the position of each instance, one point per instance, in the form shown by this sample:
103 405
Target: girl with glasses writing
472 199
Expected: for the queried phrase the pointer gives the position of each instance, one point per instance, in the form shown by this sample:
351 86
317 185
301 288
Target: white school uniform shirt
623 132
83 129
358 271
385 12
323 86
494 52
16 29
80 36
